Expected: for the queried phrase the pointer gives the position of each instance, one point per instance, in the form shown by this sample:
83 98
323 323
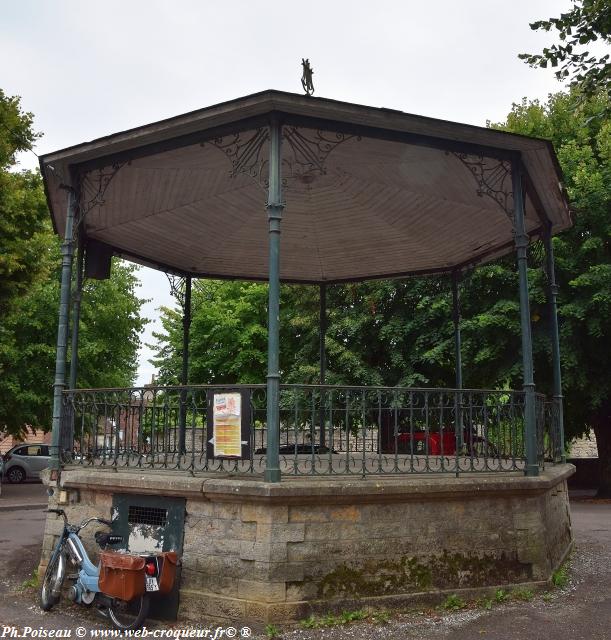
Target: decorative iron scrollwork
177 288
93 187
304 154
245 154
309 152
493 180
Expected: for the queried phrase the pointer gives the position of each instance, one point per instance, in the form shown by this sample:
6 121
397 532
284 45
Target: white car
25 461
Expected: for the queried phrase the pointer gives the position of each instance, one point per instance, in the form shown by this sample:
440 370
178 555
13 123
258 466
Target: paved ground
581 610
30 495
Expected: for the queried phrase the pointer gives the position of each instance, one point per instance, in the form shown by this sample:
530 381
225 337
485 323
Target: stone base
257 552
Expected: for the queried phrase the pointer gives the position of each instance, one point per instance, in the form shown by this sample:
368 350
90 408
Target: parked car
25 461
1 472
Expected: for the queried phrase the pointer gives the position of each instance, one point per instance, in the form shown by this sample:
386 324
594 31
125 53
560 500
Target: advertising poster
227 425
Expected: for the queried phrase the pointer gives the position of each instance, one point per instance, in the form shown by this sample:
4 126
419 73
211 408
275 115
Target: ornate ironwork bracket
245 154
177 288
304 154
96 183
492 180
308 153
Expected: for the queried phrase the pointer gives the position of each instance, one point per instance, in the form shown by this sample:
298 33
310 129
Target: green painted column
76 315
555 340
521 240
62 333
184 378
458 358
323 359
274 215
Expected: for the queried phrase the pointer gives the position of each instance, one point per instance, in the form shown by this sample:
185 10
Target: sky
88 69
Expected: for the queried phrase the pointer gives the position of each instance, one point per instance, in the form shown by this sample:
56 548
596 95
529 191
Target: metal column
323 360
555 340
62 333
184 378
521 240
76 314
274 213
458 358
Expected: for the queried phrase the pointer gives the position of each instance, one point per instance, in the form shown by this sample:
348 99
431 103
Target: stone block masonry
257 552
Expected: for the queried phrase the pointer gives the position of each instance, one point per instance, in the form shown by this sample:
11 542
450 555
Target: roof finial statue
306 78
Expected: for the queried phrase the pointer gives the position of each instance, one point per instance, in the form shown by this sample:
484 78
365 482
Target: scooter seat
104 539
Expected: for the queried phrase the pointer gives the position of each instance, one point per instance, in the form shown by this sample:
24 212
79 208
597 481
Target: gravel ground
581 610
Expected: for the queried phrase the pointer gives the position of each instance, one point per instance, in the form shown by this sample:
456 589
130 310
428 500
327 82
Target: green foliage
272 631
332 620
23 213
381 617
373 336
32 582
454 603
523 594
500 595
486 603
587 22
29 296
560 577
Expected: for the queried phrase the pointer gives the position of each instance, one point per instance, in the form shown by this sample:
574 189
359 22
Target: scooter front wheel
129 615
52 582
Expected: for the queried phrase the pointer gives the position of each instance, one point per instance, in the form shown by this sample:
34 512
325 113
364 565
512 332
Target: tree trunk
602 431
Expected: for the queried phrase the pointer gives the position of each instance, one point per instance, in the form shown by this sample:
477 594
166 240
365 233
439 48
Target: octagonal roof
369 192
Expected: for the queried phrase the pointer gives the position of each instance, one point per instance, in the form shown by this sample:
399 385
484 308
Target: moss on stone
410 574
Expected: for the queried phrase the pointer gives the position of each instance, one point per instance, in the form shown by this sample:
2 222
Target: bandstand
327 495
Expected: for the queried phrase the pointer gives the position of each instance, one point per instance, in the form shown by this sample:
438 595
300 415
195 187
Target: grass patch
454 603
485 603
332 620
31 583
560 577
272 631
524 595
381 617
500 595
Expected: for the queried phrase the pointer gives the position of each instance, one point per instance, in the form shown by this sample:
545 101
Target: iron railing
324 430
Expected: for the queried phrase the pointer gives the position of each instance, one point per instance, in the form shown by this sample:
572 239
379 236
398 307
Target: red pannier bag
167 562
121 575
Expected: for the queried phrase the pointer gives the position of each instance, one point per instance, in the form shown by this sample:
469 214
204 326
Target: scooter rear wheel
129 615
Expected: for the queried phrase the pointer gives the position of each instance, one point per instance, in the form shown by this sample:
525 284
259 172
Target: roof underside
369 193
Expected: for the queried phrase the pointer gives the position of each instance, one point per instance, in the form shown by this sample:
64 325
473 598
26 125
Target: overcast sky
87 69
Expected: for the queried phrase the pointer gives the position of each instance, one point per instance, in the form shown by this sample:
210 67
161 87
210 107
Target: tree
29 295
23 211
587 22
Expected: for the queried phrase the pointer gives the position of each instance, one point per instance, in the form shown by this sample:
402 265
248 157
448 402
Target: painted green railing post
62 333
555 340
521 241
323 360
458 359
184 378
274 214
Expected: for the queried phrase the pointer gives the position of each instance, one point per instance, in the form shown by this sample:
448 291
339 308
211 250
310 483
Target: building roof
369 192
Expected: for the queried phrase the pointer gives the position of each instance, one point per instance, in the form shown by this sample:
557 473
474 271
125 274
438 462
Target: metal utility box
151 524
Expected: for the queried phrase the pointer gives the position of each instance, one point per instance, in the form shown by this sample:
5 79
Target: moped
85 590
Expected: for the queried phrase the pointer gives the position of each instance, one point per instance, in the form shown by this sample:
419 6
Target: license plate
152 584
